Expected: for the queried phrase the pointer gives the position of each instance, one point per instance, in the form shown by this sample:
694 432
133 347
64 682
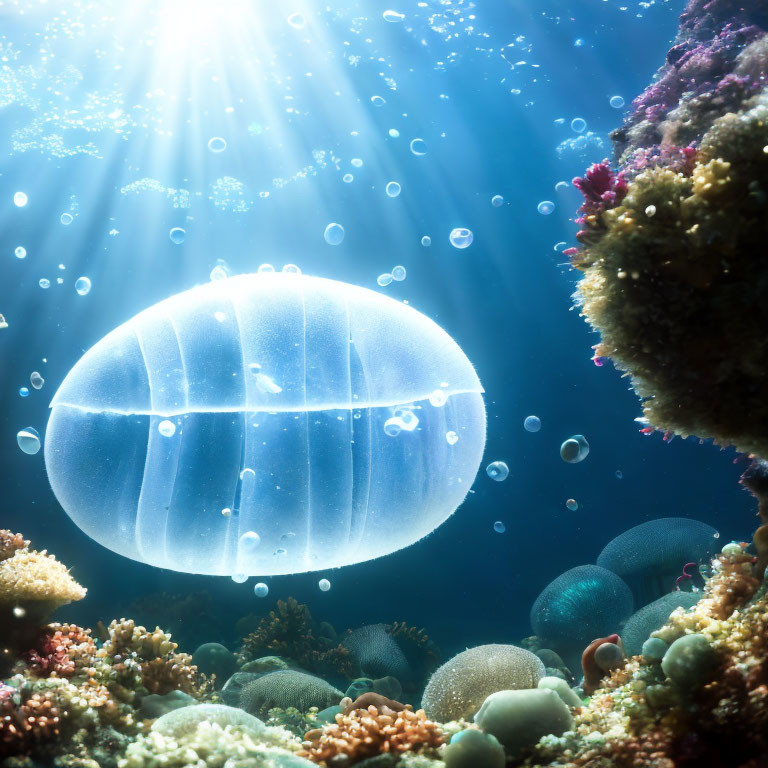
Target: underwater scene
383 384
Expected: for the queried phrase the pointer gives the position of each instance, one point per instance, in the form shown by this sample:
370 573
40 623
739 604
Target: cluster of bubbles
397 274
582 149
498 471
461 237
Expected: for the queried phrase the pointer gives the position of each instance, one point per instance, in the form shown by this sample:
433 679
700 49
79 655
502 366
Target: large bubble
292 377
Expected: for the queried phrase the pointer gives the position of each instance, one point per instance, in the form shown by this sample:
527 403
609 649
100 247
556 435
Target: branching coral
365 733
290 631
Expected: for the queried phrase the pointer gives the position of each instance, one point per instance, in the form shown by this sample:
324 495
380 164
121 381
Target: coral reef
287 688
652 616
375 653
365 733
672 274
290 631
458 688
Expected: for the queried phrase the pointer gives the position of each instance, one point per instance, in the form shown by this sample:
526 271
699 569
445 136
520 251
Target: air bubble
334 234
66 219
545 207
498 471
578 125
21 252
384 279
532 424
461 237
426 241
497 201
398 273
418 147
217 144
20 199
177 235
83 285
260 589
166 428
36 380
28 440
324 585
451 437
393 17
499 527
393 189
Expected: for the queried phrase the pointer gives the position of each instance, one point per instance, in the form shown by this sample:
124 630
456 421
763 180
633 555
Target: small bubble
572 504
166 428
394 133
239 578
579 42
578 125
66 219
36 380
498 471
451 437
650 210
23 392
83 285
393 17
574 449
20 199
438 398
246 473
499 527
461 237
19 612
426 241
219 272
561 186
217 144
265 269
226 512
296 20
28 440
249 542
560 246
281 551
260 589
619 474
357 162
393 426
291 269
44 283
334 234
398 273
617 102
418 147
545 207
177 235
393 189
378 101
347 178
532 424
384 279
21 252
497 201
324 585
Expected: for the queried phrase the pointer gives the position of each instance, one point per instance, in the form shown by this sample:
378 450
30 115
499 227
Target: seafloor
672 258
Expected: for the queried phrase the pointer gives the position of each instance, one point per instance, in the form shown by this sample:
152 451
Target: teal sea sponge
458 688
653 616
674 280
471 748
518 719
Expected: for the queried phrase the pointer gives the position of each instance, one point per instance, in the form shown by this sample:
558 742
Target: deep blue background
506 299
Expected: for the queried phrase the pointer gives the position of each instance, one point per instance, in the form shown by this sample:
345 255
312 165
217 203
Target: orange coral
174 672
63 650
11 542
365 733
34 719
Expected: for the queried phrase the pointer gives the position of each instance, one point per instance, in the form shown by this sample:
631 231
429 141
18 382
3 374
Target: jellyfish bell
340 361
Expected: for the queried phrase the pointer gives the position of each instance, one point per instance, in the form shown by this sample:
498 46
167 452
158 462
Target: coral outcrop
672 274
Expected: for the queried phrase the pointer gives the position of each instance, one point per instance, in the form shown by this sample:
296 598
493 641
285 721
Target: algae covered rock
518 719
458 688
474 749
690 661
215 659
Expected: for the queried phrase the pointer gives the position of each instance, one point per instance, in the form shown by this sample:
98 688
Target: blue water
88 110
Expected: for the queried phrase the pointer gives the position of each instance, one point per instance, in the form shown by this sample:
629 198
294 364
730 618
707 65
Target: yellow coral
31 576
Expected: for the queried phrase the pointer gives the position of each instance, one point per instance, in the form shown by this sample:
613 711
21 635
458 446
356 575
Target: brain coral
648 619
461 685
287 688
376 653
579 605
651 555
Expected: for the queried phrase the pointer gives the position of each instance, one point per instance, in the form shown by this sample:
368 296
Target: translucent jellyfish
177 235
532 424
498 471
499 527
545 207
398 273
497 201
20 199
393 16
36 380
426 241
83 285
578 125
20 252
334 234
260 589
617 102
66 219
217 144
28 440
574 449
324 585
461 237
295 383
418 147
572 504
393 189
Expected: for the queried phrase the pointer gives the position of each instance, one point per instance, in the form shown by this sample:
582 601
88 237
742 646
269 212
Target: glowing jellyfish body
334 362
574 449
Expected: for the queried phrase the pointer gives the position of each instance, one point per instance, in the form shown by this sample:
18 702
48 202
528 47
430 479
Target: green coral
677 287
